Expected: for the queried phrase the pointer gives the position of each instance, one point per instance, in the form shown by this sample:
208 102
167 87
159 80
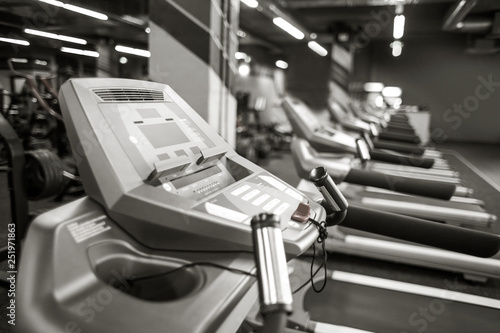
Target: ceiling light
317 48
40 62
397 48
133 20
288 27
244 69
55 36
131 50
77 9
80 52
19 60
251 3
343 37
123 60
399 26
373 86
392 92
148 30
281 64
379 101
241 34
14 41
397 103
240 55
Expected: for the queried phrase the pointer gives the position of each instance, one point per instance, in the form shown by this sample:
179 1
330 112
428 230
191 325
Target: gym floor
483 161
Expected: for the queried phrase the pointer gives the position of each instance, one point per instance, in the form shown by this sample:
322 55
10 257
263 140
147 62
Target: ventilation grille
129 95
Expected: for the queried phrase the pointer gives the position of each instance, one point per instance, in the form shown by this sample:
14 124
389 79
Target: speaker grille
129 95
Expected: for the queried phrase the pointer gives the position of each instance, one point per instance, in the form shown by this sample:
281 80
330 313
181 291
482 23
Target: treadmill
166 194
164 241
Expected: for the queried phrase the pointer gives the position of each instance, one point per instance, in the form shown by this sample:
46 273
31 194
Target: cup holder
146 278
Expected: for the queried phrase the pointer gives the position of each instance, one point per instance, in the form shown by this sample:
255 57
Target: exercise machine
325 139
164 238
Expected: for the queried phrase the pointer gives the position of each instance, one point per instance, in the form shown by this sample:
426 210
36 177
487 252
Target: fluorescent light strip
250 3
317 48
55 36
392 91
131 50
77 9
288 27
397 48
19 60
399 26
373 87
14 41
133 20
80 52
240 55
281 64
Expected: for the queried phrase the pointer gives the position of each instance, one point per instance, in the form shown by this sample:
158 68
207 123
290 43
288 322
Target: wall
308 74
436 72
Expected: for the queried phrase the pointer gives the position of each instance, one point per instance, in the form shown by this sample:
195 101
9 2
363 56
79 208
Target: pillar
192 46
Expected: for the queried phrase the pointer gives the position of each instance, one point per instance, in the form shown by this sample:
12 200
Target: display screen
148 113
194 177
164 134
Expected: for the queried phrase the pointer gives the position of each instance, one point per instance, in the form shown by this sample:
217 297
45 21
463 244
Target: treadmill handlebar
427 188
401 159
447 237
272 271
443 236
335 200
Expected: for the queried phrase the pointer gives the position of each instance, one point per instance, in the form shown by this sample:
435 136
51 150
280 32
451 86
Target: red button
302 213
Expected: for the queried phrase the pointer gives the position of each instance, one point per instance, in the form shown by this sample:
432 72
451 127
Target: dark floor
483 159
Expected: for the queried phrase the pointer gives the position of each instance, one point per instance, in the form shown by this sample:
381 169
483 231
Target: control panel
166 177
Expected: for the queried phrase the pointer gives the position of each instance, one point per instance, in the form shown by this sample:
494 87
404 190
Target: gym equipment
355 117
164 235
330 140
449 208
18 201
165 191
325 138
365 244
274 287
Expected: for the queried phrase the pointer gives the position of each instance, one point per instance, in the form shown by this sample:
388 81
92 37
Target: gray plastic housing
180 188
321 136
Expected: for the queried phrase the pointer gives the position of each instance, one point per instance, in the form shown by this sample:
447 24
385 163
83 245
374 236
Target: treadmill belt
387 311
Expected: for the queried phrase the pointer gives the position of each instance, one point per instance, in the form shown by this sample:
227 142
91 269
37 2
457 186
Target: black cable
324 266
308 280
201 263
323 234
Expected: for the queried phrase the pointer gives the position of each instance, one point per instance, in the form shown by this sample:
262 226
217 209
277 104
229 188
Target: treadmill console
306 125
166 177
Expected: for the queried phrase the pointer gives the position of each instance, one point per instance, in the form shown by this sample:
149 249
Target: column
192 46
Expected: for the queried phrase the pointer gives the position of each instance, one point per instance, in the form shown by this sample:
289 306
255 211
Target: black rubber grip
426 188
401 159
399 147
397 130
399 137
400 126
447 237
399 117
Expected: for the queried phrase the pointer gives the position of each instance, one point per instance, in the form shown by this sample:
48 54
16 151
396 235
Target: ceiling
326 18
16 15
